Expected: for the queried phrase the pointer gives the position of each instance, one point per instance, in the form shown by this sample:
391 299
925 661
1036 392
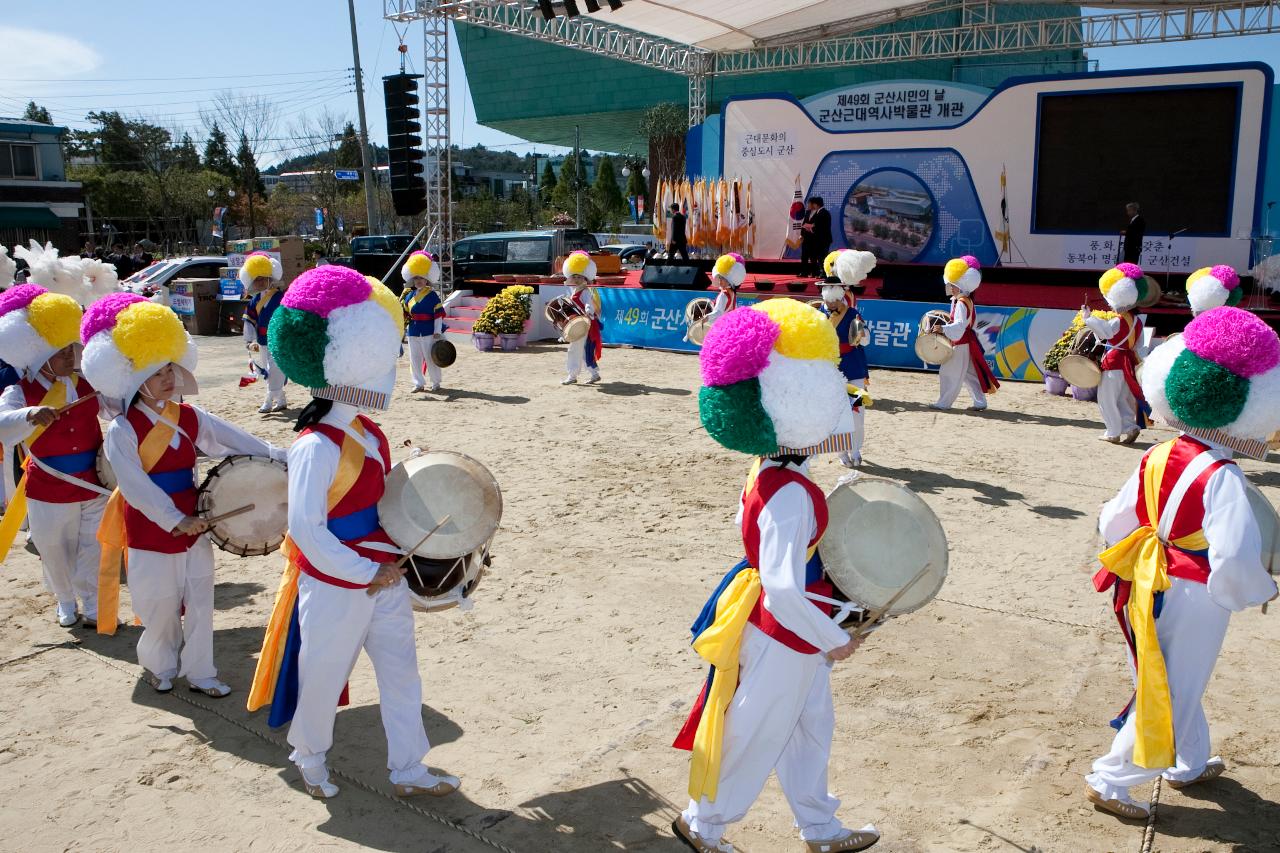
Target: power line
296 84
145 79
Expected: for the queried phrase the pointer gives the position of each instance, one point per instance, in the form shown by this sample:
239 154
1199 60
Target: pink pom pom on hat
971 262
1227 275
737 347
1234 339
326 289
1131 271
19 297
102 314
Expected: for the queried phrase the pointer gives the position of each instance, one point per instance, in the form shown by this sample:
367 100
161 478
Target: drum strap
111 532
55 397
1141 561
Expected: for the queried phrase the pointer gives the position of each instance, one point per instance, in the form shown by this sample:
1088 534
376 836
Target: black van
517 252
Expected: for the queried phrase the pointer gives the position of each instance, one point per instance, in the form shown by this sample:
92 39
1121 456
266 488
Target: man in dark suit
815 237
677 240
1133 233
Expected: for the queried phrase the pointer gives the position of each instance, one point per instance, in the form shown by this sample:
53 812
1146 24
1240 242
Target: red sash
1120 355
977 358
593 336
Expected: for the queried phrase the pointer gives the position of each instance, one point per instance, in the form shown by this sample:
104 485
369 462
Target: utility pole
577 172
369 206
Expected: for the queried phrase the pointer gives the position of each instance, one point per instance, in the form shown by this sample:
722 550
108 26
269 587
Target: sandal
695 842
1119 808
1212 770
215 690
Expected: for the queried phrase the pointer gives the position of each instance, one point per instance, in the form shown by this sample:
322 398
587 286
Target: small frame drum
1154 293
566 316
443 353
933 347
106 476
695 318
238 481
1082 367
859 334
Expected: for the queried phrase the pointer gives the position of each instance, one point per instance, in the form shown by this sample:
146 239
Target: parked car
631 254
516 252
156 277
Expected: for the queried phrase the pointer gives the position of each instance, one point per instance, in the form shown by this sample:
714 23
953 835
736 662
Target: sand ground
964 727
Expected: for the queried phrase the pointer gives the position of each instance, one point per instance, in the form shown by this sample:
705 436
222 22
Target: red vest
1120 347
362 497
70 445
1190 512
141 532
767 484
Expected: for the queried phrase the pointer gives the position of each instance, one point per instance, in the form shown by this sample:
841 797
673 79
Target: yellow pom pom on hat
829 262
804 333
579 263
35 324
420 265
259 265
56 318
731 267
127 339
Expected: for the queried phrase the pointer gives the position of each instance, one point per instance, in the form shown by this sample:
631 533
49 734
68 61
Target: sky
166 60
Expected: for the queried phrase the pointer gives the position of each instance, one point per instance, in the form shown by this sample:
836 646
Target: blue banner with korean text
1015 339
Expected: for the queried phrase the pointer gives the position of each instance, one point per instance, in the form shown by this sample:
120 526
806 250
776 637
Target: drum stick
76 402
214 519
877 615
409 554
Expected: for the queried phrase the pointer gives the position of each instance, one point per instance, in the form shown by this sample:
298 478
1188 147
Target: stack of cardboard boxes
286 250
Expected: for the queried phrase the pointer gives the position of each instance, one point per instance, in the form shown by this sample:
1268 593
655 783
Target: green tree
250 180
217 154
665 126
36 113
185 156
607 195
547 185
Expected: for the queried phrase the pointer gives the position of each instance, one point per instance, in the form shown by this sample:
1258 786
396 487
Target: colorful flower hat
770 380
732 268
127 339
579 263
1121 286
35 324
259 265
963 272
1213 287
1222 377
421 265
338 333
851 266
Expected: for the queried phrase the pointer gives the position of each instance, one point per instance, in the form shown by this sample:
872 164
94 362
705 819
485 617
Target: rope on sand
69 644
1149 834
364 786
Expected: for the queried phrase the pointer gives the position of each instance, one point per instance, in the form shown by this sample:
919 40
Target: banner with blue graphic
1015 339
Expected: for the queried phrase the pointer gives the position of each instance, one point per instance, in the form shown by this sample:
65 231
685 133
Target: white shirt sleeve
250 332
1104 330
1119 516
1237 579
313 465
218 438
14 427
720 308
955 329
786 525
121 444
588 303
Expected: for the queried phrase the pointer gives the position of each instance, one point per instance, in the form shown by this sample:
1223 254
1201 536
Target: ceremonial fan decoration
718 210
771 384
8 268
338 333
86 280
35 324
127 339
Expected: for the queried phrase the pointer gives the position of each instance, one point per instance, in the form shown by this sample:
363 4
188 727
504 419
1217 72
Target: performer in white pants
967 369
341 590
579 271
60 494
152 447
424 313
260 276
1125 412
727 275
846 269
1185 549
767 704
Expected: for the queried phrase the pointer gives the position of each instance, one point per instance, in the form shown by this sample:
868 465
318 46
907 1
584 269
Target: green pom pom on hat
735 417
1203 394
297 340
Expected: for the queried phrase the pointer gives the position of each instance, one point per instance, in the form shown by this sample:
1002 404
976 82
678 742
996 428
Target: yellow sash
1140 558
275 638
111 533
54 398
720 645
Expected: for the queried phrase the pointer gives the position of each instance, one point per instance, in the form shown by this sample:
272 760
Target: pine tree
607 193
217 155
250 180
36 113
548 183
185 156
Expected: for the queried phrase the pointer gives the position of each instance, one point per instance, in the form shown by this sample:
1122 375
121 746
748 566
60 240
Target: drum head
880 535
576 328
239 481
1080 370
443 353
1268 526
1154 293
933 348
106 476
424 489
697 309
698 331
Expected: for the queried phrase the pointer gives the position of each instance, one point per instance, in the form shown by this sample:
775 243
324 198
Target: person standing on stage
1125 412
1184 549
425 314
60 492
770 386
1133 233
138 356
579 271
677 241
815 237
338 333
968 367
260 274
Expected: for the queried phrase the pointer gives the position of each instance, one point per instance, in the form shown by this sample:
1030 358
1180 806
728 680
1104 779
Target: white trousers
1119 410
859 420
275 380
576 357
335 624
173 596
420 353
1191 628
957 374
66 537
781 718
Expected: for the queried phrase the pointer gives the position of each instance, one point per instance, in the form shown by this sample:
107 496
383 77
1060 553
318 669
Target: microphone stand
1168 264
